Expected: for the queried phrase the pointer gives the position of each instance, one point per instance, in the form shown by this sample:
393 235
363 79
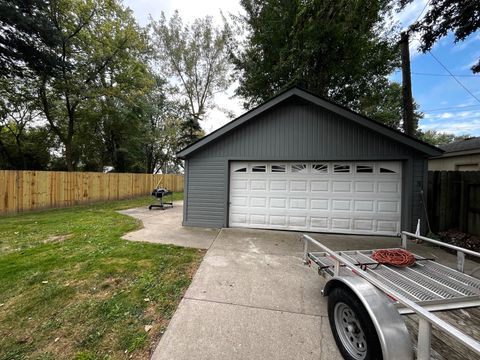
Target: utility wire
459 108
432 74
421 13
454 77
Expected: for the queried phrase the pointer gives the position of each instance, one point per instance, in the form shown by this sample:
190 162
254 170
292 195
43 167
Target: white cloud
457 123
189 10
456 128
408 15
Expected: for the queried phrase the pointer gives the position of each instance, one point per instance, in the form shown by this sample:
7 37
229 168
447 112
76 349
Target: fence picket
453 200
31 190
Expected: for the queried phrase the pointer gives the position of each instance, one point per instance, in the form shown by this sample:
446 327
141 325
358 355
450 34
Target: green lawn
71 288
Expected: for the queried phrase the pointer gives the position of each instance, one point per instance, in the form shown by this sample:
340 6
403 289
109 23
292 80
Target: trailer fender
391 330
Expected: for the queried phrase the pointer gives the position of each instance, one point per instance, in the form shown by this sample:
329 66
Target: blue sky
447 106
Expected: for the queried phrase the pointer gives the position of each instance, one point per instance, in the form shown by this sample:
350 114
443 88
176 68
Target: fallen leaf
148 328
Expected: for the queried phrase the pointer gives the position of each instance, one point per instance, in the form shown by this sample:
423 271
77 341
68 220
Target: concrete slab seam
251 307
216 237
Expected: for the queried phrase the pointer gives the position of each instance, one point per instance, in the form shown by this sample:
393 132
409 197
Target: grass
71 288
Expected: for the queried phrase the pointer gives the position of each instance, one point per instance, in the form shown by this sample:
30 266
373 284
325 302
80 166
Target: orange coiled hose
395 257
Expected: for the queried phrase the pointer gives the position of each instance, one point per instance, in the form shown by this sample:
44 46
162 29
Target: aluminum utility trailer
366 299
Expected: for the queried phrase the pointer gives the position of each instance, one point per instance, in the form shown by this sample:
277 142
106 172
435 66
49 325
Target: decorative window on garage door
386 168
319 168
299 168
278 168
239 168
341 168
259 168
364 169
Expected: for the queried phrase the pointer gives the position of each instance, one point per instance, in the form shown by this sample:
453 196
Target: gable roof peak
305 95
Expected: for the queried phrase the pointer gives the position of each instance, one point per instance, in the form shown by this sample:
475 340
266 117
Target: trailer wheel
352 327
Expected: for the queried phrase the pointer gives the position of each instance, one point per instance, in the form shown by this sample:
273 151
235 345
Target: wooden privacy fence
30 190
454 200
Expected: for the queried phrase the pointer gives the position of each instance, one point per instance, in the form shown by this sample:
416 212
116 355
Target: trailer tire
352 327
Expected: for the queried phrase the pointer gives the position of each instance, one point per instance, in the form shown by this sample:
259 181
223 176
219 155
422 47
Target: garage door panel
341 204
388 206
298 185
359 199
387 226
364 205
278 220
319 223
238 218
319 185
239 200
278 203
364 186
319 204
339 223
256 219
363 225
298 203
388 187
258 185
239 184
278 185
341 186
258 202
297 221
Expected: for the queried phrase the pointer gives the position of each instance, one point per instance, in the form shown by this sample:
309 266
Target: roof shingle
472 143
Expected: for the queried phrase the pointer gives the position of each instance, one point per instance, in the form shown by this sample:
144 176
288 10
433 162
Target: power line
459 108
433 74
421 13
454 77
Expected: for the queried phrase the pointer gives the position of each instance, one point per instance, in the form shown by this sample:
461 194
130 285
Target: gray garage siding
294 131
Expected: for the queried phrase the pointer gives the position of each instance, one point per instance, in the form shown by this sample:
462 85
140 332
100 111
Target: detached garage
300 162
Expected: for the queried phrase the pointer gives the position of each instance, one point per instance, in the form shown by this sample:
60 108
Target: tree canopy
336 49
196 56
28 38
462 17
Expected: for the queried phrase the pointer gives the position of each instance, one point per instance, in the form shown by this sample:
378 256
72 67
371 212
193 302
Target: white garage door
337 197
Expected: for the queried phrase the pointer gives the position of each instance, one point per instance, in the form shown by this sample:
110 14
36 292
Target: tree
104 43
384 104
460 16
24 143
165 129
28 38
196 56
437 138
336 49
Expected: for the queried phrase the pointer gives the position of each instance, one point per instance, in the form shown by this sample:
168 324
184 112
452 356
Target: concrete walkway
251 298
165 227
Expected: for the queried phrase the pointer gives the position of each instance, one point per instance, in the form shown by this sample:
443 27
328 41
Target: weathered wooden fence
454 200
30 190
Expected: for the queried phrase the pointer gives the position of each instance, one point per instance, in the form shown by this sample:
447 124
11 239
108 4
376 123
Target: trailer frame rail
339 264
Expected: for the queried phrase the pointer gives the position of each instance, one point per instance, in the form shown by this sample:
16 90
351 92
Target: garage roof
326 104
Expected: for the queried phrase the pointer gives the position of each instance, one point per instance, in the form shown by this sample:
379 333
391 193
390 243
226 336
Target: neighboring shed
300 162
462 155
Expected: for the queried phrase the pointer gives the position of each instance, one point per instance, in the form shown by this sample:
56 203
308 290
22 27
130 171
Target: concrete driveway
251 298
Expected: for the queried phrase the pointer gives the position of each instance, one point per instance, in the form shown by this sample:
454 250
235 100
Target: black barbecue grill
160 194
